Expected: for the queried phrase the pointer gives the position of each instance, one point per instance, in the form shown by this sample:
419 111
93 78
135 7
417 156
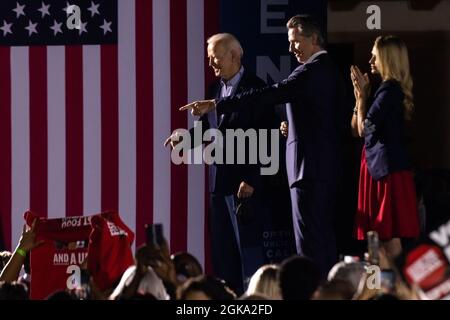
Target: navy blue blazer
384 131
225 178
314 94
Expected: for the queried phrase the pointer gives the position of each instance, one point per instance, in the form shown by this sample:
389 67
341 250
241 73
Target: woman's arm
12 270
360 117
354 122
26 243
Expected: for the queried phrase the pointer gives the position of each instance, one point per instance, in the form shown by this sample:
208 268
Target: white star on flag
6 28
44 9
56 28
31 28
19 10
94 9
82 27
66 9
106 26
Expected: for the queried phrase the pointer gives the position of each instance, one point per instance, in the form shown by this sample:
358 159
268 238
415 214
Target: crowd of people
157 275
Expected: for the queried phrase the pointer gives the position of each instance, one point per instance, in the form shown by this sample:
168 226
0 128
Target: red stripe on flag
110 127
74 130
38 129
144 118
211 27
5 146
178 89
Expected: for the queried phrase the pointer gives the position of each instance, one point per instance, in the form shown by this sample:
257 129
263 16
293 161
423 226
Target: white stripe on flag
20 135
56 115
161 111
91 130
127 113
196 80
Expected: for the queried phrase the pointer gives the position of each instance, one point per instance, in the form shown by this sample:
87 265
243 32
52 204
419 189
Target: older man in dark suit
229 183
314 94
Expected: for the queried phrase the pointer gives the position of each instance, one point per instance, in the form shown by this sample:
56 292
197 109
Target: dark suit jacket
314 93
225 178
384 131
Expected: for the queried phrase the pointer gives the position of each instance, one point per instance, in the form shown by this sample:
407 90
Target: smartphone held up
155 234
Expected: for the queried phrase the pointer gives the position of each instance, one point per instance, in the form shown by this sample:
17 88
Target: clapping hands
361 83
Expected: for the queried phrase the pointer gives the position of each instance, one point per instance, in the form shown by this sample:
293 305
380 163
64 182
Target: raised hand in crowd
158 257
365 291
27 243
398 288
130 290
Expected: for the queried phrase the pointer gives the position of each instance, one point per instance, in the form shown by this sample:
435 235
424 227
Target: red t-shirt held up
56 264
109 253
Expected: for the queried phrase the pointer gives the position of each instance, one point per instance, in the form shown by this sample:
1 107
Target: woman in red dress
387 197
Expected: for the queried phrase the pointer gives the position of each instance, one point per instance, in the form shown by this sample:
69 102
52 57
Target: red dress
388 206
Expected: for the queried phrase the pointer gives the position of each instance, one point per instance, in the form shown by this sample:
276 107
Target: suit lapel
219 116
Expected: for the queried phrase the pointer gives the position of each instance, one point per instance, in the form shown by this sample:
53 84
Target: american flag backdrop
84 113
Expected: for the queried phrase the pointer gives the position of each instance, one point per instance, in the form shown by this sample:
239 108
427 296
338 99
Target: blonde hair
228 41
392 55
264 282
